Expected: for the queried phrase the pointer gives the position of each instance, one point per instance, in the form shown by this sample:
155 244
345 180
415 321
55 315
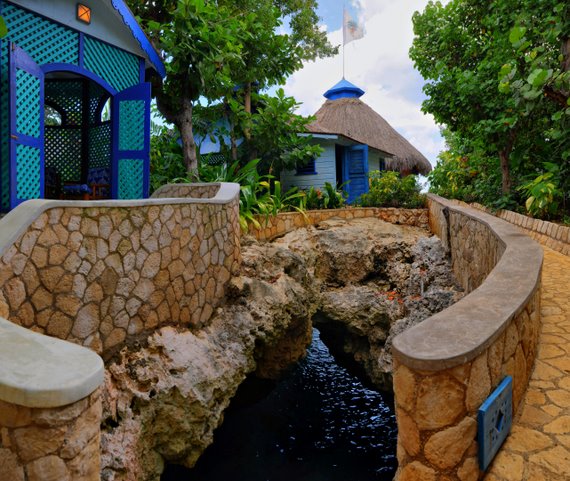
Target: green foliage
328 198
543 193
389 189
498 78
166 162
211 46
3 27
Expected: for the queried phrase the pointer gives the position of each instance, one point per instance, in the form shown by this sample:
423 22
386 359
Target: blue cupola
344 90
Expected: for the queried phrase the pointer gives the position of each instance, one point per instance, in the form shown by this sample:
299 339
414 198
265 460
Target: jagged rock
164 398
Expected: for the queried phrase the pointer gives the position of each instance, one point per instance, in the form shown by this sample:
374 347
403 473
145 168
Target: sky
378 64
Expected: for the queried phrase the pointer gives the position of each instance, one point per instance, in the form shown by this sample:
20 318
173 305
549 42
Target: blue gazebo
74 101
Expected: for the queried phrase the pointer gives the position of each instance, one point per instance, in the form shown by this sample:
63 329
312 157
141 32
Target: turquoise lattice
44 41
28 172
131 178
131 120
118 68
27 104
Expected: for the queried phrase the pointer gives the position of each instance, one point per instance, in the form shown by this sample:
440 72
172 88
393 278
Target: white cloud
379 64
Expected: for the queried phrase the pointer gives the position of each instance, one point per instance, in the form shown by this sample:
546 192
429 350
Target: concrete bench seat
42 371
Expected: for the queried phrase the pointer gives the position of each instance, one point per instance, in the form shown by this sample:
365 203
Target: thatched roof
352 118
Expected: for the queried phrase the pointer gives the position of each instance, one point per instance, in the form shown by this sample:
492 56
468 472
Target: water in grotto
320 423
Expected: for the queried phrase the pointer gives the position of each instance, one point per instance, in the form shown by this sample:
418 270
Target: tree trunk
504 156
184 124
505 172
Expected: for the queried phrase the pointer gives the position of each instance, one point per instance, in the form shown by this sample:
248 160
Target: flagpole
343 38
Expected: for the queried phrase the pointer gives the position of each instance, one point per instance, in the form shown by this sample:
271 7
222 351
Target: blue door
355 171
26 127
131 143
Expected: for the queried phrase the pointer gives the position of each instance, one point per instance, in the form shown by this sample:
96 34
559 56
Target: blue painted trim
65 67
140 36
81 48
19 59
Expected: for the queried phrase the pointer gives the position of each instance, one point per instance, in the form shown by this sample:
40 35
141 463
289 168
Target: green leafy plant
328 198
543 193
389 189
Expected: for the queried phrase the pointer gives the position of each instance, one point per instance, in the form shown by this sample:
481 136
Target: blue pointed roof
343 90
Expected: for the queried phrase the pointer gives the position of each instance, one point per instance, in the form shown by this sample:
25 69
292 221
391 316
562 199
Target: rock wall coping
464 330
42 371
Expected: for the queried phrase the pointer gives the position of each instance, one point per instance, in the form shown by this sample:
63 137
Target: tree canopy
217 49
498 79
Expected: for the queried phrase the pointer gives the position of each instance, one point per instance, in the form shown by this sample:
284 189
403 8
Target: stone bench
50 407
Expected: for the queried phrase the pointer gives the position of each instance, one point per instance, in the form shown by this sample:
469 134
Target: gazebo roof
345 114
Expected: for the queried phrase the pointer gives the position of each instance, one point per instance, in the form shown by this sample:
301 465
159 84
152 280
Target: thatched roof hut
345 114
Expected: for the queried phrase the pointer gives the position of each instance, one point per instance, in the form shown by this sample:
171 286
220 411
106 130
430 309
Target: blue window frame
309 168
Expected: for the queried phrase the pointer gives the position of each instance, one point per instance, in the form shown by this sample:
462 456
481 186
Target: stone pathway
538 448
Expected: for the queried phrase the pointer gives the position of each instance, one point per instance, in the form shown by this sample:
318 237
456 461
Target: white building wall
325 166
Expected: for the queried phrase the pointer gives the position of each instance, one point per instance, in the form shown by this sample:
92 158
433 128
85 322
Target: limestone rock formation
163 399
375 280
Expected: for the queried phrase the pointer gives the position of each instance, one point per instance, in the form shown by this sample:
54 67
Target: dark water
318 424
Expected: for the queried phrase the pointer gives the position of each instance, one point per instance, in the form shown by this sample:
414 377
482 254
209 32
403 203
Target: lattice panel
28 172
67 96
4 128
117 67
131 122
96 95
131 175
100 145
63 152
44 41
28 104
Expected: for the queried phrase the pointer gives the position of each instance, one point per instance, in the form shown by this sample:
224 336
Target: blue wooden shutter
356 171
131 143
26 127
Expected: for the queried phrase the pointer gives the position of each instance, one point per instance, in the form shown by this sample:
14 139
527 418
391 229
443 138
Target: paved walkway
538 448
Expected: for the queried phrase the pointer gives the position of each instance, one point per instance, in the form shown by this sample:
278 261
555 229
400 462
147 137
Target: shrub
389 189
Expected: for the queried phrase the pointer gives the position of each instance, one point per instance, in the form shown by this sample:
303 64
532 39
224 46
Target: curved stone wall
447 366
285 222
103 273
99 274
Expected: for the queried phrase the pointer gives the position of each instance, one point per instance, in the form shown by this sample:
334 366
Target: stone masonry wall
286 222
194 191
100 276
54 444
447 366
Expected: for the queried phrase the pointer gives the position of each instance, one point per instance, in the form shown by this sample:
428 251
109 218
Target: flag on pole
352 28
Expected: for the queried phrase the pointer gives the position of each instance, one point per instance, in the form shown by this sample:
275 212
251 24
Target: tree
200 42
210 47
461 49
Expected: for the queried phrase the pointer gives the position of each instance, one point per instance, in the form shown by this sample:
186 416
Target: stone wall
280 224
194 191
59 444
448 365
99 274
108 273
